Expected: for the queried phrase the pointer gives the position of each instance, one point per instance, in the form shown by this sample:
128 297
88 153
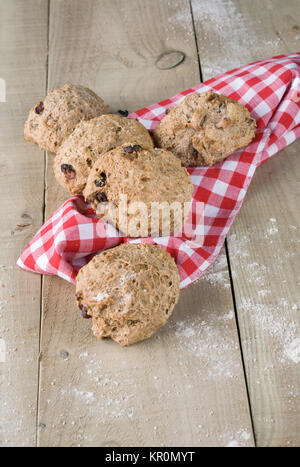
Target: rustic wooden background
225 370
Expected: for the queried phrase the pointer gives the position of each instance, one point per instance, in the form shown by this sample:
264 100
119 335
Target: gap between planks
228 259
48 283
44 214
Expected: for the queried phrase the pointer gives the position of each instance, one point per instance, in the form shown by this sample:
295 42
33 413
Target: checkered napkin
270 89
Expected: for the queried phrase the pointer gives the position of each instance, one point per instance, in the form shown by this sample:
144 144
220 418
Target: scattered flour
239 439
208 341
238 246
85 395
263 293
272 228
292 350
83 354
275 320
229 315
112 395
126 277
233 444
218 273
245 435
219 16
101 296
179 18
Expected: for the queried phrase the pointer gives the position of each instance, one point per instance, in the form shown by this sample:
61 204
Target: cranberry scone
129 291
142 191
50 122
89 140
205 129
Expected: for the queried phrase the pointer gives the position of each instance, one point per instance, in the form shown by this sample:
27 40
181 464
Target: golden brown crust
143 175
205 129
89 141
50 122
129 291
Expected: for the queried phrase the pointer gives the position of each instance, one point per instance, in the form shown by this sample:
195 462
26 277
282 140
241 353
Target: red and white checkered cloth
270 89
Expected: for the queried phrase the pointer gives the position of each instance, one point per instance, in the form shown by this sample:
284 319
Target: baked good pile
132 178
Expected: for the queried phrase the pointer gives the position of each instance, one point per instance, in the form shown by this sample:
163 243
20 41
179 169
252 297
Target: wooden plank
185 386
264 252
232 33
263 241
23 52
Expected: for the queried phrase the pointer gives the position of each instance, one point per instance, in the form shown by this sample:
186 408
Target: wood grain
23 52
232 33
263 242
264 252
185 386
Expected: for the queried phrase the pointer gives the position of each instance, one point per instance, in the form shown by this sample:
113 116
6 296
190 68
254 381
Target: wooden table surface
225 370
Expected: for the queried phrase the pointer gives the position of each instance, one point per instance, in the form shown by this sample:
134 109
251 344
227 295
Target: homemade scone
50 122
205 129
141 191
129 291
88 141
